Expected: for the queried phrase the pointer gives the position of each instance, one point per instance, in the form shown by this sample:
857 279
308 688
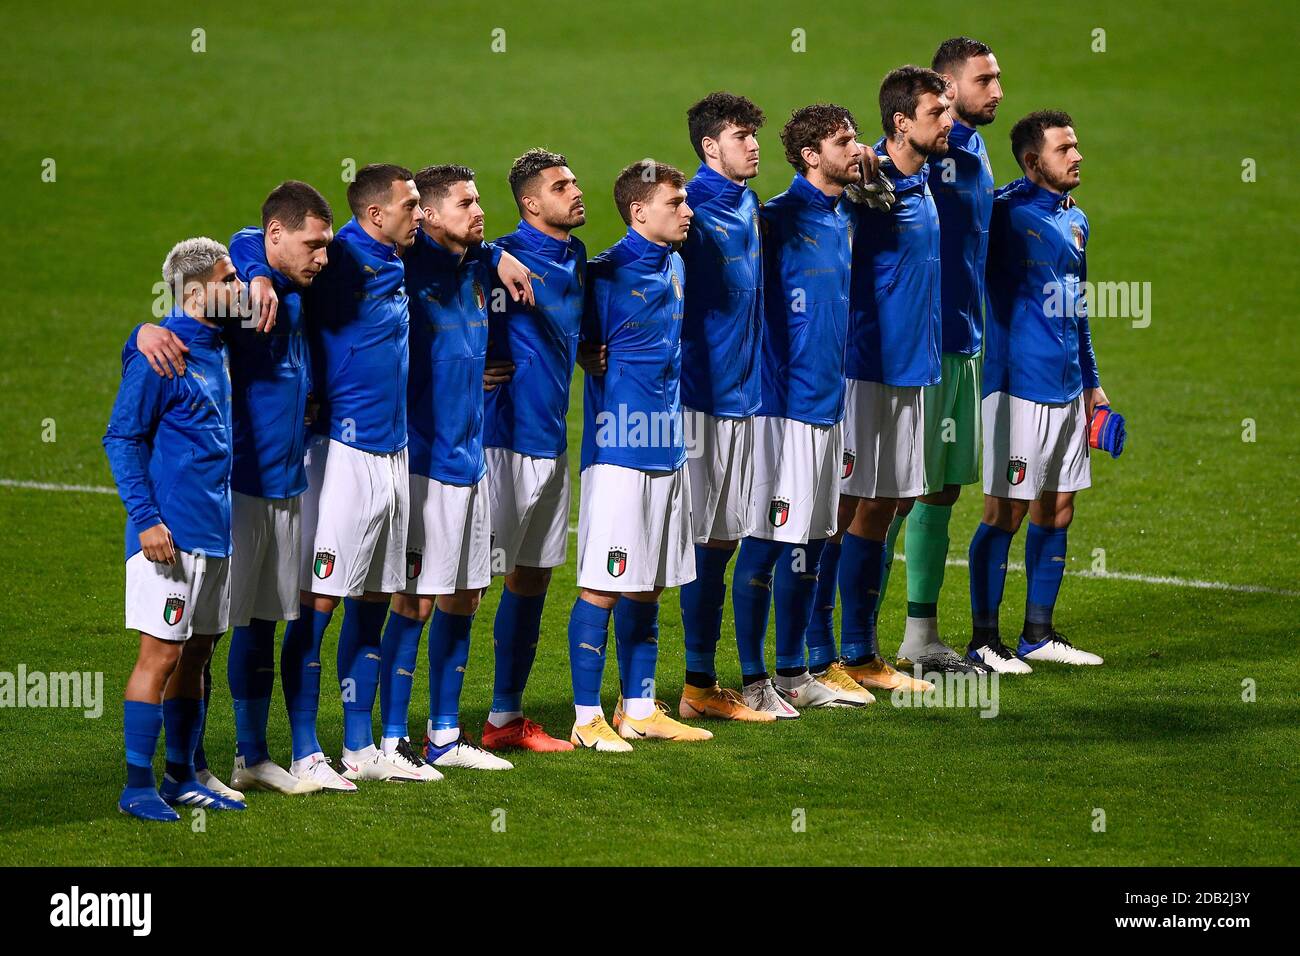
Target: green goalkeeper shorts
952 424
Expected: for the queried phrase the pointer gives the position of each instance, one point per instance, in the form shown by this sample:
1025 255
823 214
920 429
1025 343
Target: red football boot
523 734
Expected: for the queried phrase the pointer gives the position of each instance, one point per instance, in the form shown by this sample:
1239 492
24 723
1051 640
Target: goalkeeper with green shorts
962 185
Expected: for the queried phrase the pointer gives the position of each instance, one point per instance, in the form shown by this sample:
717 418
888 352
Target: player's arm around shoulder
161 348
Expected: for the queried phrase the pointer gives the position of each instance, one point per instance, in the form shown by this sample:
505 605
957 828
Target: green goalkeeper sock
894 527
926 547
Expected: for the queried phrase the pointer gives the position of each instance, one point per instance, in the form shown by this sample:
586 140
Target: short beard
968 117
568 223
731 172
1059 185
924 151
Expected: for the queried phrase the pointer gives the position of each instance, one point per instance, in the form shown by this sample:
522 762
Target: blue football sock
702 601
358 669
795 585
751 600
141 725
988 574
300 677
181 721
448 656
891 538
398 651
588 635
250 668
821 623
862 568
636 635
515 633
1045 565
201 755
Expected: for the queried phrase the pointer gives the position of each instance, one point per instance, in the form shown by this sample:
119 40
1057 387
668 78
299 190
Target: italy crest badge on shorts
414 562
779 512
1016 470
849 459
324 565
173 609
617 562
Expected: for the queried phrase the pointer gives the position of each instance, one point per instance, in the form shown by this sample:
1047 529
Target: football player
169 447
807 238
533 348
448 275
722 335
962 185
1041 391
893 352
634 525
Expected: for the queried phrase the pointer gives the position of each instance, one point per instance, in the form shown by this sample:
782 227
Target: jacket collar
801 188
533 238
191 331
1041 196
960 135
442 257
708 182
641 249
359 239
903 183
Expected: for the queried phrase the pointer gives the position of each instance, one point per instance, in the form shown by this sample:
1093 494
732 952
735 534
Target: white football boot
762 696
996 656
1056 648
367 764
207 778
463 753
269 775
316 767
807 691
407 765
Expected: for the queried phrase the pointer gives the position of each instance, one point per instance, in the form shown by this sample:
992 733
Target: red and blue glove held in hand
1106 431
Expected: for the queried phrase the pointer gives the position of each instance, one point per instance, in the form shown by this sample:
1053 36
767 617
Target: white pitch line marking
1165 580
47 486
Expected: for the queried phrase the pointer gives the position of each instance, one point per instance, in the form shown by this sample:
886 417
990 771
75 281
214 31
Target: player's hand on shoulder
515 277
497 372
157 545
265 303
163 348
593 359
874 189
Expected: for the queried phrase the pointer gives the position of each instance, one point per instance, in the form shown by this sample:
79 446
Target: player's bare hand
1092 397
515 277
497 372
164 350
593 359
870 163
311 410
157 545
265 303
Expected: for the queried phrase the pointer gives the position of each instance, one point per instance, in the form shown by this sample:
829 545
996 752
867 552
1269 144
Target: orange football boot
522 734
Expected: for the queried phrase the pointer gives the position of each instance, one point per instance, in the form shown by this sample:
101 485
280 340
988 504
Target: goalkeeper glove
1106 431
878 194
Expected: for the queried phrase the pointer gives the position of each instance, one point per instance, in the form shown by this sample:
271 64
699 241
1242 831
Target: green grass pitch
153 142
